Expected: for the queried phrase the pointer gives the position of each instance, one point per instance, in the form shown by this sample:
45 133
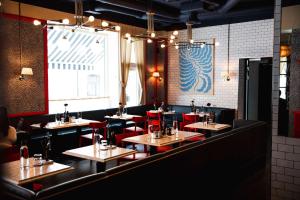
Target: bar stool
96 126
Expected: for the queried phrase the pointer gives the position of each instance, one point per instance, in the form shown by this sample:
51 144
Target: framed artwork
197 69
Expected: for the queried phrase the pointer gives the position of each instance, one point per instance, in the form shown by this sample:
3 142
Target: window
83 70
133 87
283 79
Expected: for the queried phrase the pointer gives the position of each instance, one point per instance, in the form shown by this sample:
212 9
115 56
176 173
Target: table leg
153 150
78 134
100 167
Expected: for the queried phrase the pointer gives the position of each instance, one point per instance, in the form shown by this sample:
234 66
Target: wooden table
91 152
122 117
165 140
54 127
14 174
164 113
210 127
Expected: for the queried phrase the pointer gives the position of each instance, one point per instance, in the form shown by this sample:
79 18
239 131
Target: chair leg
80 141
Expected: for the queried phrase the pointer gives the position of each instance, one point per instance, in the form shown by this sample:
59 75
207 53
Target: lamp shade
285 51
155 74
26 71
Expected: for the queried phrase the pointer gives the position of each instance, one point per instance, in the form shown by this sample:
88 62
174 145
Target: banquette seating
226 166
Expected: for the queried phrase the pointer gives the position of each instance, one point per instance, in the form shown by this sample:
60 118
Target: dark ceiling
170 14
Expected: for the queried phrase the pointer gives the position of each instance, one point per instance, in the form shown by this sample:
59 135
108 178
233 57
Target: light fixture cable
20 45
228 40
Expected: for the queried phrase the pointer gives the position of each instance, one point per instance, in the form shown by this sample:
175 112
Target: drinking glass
79 115
103 145
124 111
97 141
150 130
197 111
175 127
57 118
37 160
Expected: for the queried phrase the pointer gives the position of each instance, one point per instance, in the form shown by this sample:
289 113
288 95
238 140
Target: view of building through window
284 77
83 70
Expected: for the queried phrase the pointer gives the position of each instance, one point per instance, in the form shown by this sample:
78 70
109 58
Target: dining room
95 88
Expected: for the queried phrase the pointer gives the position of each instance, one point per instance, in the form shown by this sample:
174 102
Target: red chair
138 121
154 118
130 132
188 119
96 126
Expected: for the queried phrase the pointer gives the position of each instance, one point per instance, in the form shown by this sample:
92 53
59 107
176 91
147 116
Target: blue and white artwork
196 69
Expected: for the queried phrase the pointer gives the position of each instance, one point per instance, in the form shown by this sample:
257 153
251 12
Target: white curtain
140 62
125 65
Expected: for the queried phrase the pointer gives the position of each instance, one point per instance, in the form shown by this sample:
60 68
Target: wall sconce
157 75
26 71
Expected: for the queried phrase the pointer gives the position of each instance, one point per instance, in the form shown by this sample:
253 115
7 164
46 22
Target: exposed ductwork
120 10
224 9
227 6
134 8
192 6
142 7
235 14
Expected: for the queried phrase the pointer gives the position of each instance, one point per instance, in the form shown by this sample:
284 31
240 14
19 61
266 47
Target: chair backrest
140 121
154 118
96 126
190 118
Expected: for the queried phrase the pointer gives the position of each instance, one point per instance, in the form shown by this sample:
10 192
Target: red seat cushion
194 139
163 149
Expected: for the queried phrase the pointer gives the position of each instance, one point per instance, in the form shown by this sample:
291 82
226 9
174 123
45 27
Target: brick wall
247 40
285 151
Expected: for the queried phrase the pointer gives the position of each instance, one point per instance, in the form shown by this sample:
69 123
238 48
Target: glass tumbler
175 127
37 160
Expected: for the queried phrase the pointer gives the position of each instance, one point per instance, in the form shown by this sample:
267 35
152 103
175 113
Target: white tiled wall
285 169
247 40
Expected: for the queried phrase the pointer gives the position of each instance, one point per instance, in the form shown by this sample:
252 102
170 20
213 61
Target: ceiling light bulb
91 18
36 22
129 39
191 41
152 34
117 28
172 37
127 35
149 41
162 45
171 41
217 44
65 21
175 32
176 47
104 24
